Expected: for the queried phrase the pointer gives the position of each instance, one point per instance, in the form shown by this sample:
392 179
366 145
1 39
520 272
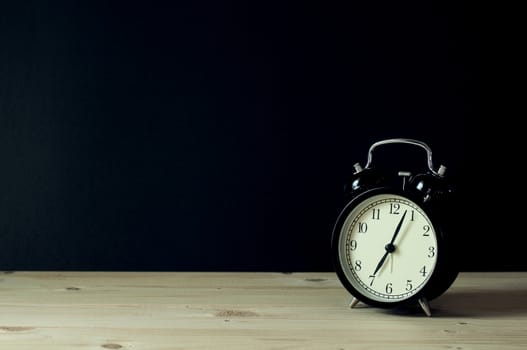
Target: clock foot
425 306
353 302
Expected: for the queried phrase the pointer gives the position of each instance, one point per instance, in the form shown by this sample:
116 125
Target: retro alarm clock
392 243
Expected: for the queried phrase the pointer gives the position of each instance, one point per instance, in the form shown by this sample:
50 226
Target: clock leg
425 306
353 302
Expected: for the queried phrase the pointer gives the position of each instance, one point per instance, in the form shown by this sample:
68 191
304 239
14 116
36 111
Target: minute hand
398 228
389 247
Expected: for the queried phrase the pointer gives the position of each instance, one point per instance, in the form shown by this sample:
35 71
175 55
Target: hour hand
381 262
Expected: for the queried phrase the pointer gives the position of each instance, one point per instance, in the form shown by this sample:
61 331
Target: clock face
387 248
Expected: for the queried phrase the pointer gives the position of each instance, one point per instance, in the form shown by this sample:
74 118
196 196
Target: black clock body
435 196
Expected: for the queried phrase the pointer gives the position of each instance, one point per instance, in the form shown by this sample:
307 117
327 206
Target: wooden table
174 310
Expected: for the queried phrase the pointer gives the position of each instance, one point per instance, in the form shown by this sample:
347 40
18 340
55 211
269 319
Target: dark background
217 135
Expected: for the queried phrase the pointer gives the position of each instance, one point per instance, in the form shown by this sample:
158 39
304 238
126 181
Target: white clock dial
387 248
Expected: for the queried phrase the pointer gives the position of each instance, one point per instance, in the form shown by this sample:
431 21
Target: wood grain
177 310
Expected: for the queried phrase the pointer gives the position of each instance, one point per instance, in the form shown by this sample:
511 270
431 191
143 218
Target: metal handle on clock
439 172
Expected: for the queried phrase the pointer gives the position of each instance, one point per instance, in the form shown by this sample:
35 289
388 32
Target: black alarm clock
392 245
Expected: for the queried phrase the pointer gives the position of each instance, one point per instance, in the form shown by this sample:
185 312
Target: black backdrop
217 135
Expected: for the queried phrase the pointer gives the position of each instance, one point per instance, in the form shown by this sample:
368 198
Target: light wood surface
174 310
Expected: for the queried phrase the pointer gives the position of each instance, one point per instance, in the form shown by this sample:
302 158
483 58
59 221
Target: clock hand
398 228
390 248
379 265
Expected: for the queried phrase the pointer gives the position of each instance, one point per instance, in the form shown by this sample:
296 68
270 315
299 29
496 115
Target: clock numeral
431 251
363 227
426 228
358 265
423 271
394 208
389 288
375 213
409 285
372 279
352 244
412 216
